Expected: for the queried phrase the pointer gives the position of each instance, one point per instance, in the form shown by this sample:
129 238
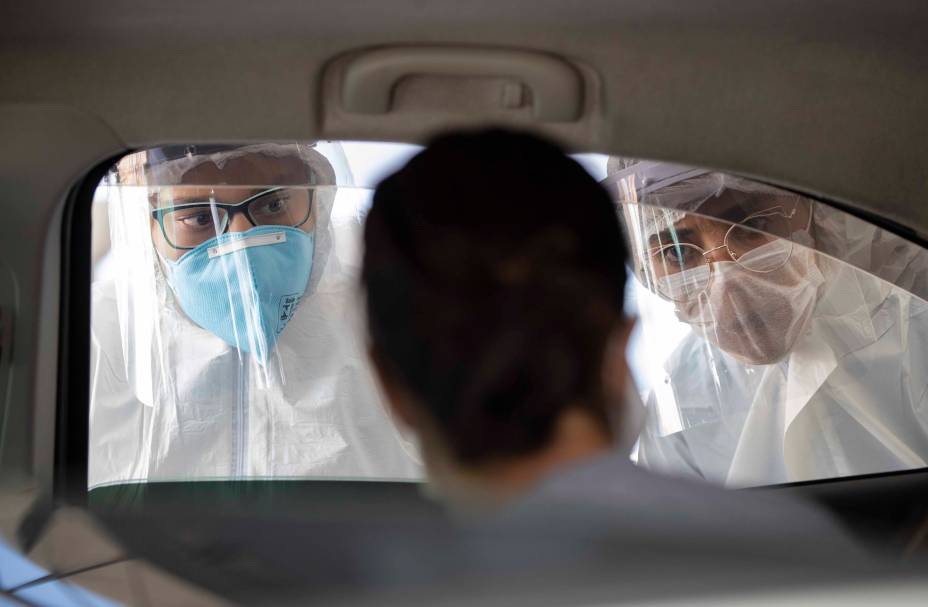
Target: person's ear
624 331
618 339
626 411
396 395
615 365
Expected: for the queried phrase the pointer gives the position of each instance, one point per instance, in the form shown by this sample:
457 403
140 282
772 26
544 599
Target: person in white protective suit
226 342
807 354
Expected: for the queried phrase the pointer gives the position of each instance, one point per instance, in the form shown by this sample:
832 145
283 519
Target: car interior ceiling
87 82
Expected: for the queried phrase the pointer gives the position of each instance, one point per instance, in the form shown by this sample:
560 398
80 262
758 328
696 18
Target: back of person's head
494 268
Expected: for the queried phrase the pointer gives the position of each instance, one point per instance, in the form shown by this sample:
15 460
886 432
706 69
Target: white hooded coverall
171 401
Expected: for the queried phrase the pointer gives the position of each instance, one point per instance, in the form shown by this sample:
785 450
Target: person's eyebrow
267 192
670 235
733 210
247 194
742 207
184 200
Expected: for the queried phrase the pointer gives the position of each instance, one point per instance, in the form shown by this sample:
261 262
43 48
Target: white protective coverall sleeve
844 316
287 392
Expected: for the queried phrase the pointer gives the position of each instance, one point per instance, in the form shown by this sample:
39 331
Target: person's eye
195 221
676 254
760 227
275 206
688 256
759 223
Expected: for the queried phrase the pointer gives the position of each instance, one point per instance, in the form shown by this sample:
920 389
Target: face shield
233 232
752 300
227 331
734 268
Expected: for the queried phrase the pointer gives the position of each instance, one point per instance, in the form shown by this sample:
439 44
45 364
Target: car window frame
71 436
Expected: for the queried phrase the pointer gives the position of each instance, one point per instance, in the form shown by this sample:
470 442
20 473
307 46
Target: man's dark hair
494 268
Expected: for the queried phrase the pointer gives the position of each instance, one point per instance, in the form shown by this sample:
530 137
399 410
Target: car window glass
779 339
227 335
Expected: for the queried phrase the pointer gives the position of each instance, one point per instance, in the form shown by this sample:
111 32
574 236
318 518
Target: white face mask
756 317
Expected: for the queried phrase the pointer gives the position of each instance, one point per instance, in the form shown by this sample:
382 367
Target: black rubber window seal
72 420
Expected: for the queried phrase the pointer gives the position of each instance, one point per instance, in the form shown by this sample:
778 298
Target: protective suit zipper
242 423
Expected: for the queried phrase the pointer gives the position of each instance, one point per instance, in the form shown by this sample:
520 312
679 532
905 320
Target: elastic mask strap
239 244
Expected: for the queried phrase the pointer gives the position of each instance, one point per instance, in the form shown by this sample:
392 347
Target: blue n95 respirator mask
244 286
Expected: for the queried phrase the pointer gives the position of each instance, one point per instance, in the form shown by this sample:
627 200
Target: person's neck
577 437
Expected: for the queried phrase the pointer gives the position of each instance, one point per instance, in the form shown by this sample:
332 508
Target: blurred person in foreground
494 269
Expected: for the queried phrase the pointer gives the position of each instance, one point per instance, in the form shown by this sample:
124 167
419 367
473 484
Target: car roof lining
813 96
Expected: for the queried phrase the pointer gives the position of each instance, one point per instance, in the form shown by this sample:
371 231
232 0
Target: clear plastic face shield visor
229 234
227 331
749 297
734 267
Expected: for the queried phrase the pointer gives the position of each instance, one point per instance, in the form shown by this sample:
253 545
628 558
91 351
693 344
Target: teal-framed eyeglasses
188 225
